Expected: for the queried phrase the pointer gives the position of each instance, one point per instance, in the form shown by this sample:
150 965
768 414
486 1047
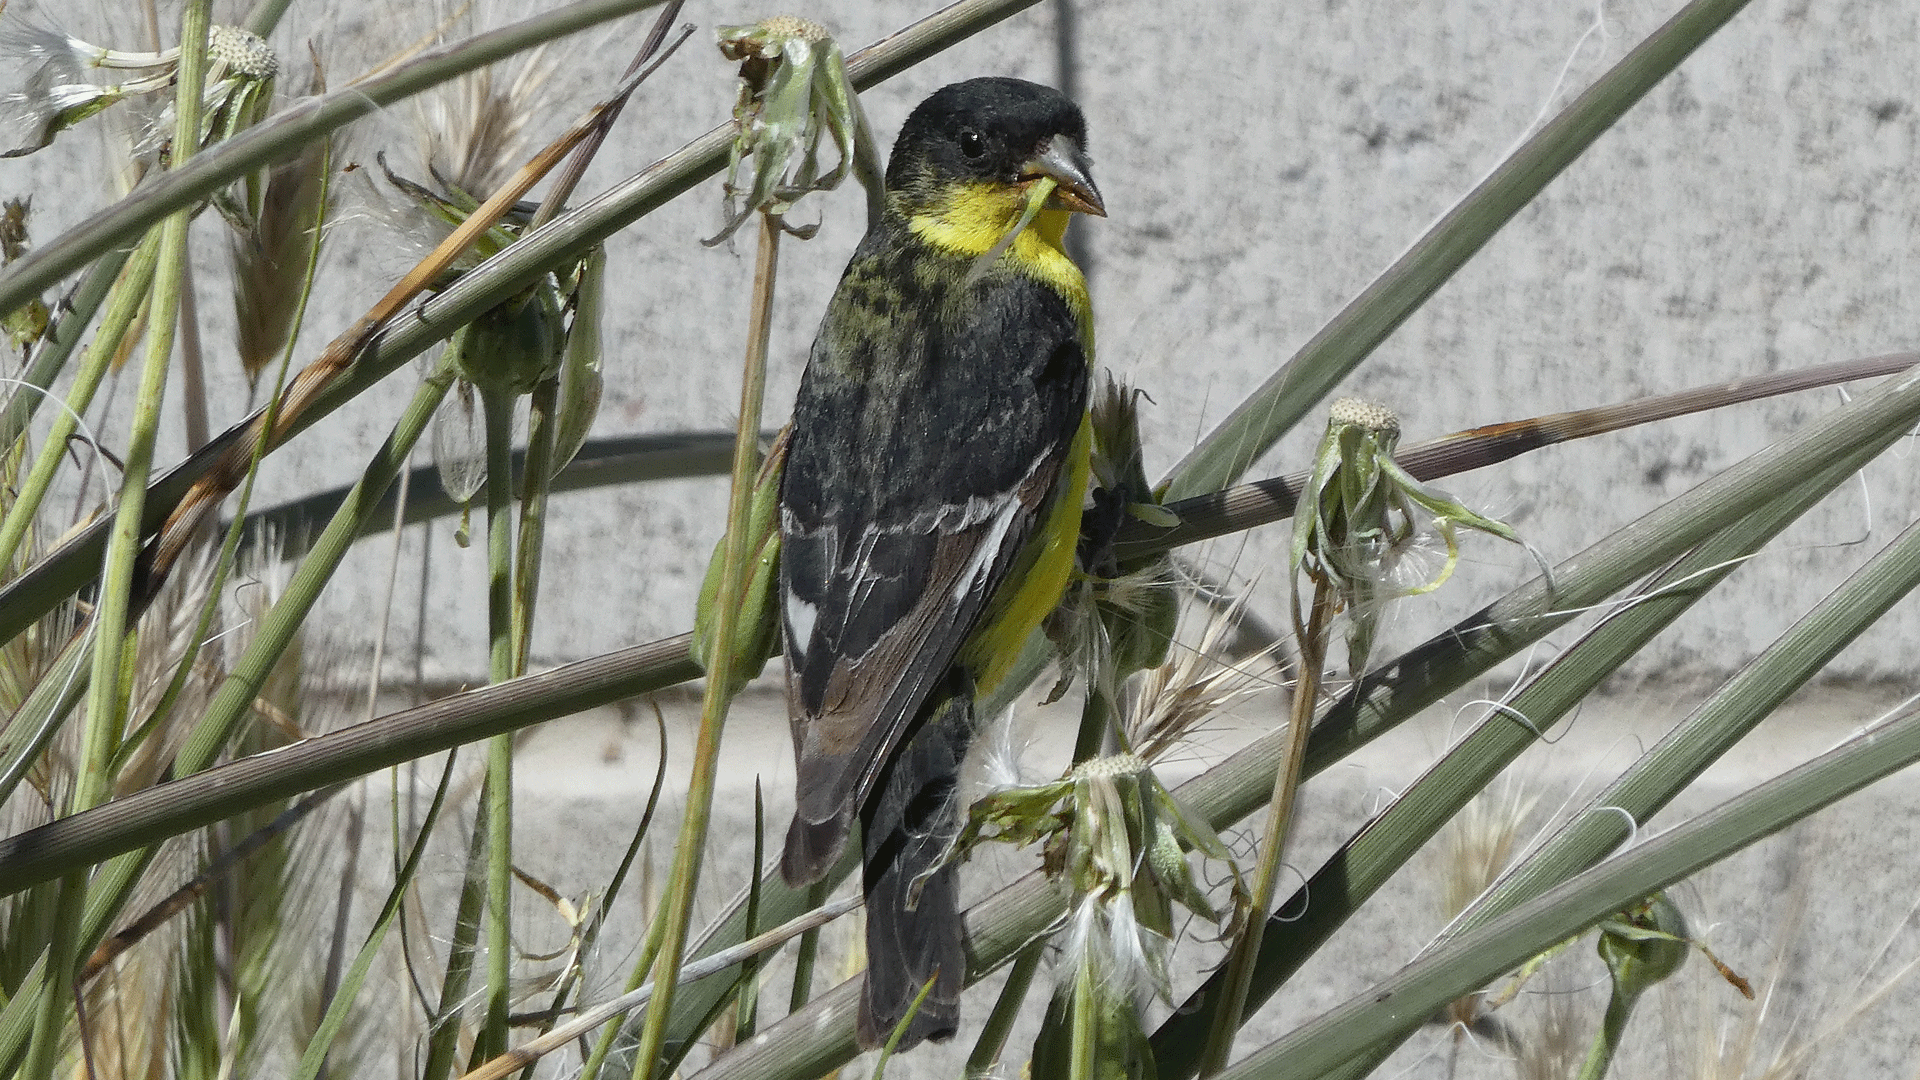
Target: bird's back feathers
922 456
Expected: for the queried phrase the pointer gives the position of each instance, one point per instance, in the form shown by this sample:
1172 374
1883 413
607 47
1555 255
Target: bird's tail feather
913 917
812 848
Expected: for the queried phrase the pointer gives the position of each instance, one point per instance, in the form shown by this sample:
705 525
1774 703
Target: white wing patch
988 550
800 619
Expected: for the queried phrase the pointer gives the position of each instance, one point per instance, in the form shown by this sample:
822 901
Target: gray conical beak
1062 160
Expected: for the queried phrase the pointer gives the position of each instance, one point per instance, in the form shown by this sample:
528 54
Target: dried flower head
1120 840
793 91
1164 704
1119 614
1360 513
241 52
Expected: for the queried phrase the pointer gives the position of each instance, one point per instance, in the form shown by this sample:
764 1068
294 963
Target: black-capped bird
931 506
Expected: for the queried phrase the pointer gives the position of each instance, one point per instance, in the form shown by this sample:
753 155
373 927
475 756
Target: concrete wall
1261 163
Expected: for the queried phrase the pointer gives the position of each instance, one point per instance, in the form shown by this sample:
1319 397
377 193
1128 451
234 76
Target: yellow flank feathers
1032 590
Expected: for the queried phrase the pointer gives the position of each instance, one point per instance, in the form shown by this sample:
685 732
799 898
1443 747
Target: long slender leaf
282 136
1350 877
1699 740
1477 957
1712 729
313 1057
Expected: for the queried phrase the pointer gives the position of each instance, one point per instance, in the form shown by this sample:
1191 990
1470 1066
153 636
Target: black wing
928 437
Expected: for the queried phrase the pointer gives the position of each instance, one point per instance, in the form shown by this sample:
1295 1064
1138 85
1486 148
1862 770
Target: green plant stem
278 628
1006 1010
444 1042
535 483
678 910
593 1016
501 666
114 883
51 987
129 295
1227 1015
636 979
313 1058
265 15
236 529
51 357
614 886
106 705
1086 1024
806 954
496 409
1606 1041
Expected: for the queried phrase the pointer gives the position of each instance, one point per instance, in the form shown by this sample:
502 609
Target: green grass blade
277 630
30 727
1714 727
51 358
313 1057
282 135
1477 957
115 608
128 298
1361 866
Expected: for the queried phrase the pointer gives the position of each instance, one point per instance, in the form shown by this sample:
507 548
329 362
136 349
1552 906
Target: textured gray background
1261 163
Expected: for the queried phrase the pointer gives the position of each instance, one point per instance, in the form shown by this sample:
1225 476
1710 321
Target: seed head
243 52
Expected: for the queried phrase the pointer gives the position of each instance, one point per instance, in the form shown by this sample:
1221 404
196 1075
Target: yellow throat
979 216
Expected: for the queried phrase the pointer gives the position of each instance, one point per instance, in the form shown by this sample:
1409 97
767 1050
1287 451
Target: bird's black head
993 131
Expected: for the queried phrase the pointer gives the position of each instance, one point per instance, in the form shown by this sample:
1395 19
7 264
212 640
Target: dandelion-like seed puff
56 93
1119 840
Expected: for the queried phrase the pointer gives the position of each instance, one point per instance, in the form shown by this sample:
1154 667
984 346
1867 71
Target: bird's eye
971 144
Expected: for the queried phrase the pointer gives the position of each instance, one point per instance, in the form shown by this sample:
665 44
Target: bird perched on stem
930 508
